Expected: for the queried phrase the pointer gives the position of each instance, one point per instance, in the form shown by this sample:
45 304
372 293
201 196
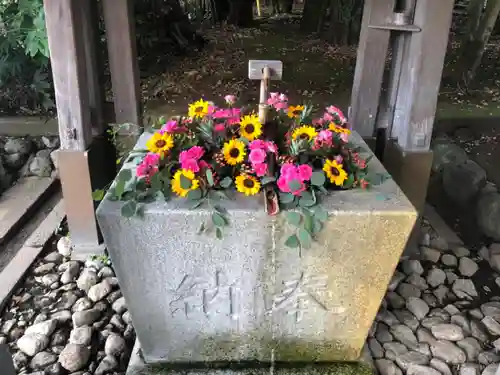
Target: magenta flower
171 126
219 127
290 172
257 144
148 166
189 158
278 101
271 147
337 113
257 156
260 169
304 172
325 136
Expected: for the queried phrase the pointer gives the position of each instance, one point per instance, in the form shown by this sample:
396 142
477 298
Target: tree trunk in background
474 13
344 21
312 16
240 13
221 10
474 46
286 6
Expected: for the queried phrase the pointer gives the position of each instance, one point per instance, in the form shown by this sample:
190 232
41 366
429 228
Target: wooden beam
370 64
120 32
94 61
67 57
421 75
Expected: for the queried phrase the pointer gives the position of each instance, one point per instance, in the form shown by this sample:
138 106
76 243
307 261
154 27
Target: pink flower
149 166
257 156
189 158
260 169
344 137
337 113
257 144
278 101
328 117
219 127
281 105
230 99
171 126
283 98
304 172
325 136
288 170
271 147
203 164
339 159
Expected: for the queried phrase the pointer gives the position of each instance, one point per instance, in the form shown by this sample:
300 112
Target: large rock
462 182
446 154
18 146
74 357
488 215
247 296
33 343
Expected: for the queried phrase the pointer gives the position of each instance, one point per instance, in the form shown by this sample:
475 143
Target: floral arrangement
215 151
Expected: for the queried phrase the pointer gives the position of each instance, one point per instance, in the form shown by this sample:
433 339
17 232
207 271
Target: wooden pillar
67 22
67 56
370 64
120 33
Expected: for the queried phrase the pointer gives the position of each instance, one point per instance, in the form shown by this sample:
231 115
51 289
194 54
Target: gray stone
99 291
450 332
424 349
247 266
394 349
421 370
86 317
451 277
18 146
74 357
44 328
42 360
20 360
113 296
462 182
106 272
387 367
119 306
492 325
488 215
8 325
418 307
490 369
441 293
441 366
478 331
397 277
14 161
461 251
33 343
425 336
432 321
404 335
60 337
107 364
40 166
404 361
436 277
82 304
418 281
429 254
412 266
395 300
128 319
476 314
116 321
467 267
50 142
115 345
53 257
375 348
44 268
448 352
464 288
407 318
485 358
62 316
451 309
446 154
67 300
430 299
88 278
491 309
449 260
408 290
81 336
469 369
462 322
386 316
50 279
56 369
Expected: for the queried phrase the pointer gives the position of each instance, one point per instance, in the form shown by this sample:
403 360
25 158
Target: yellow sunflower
234 152
335 172
160 143
177 185
295 111
304 132
338 129
250 127
247 184
198 109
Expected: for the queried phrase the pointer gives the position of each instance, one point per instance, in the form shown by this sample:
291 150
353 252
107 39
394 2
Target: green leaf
194 195
218 195
210 177
156 183
267 180
220 209
129 209
294 218
124 175
119 189
139 210
316 225
218 233
218 220
226 182
286 198
320 213
307 199
196 204
349 182
292 241
318 178
304 238
244 140
295 185
185 182
98 195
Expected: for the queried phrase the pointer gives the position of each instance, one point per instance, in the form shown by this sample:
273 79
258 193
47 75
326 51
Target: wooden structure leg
120 32
66 22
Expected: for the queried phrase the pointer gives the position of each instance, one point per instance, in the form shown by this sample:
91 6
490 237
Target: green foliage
24 57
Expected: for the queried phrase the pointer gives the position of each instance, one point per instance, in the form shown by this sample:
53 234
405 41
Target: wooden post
120 32
370 63
421 75
67 57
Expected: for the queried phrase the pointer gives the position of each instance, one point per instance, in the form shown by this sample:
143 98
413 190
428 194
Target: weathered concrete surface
193 298
362 367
